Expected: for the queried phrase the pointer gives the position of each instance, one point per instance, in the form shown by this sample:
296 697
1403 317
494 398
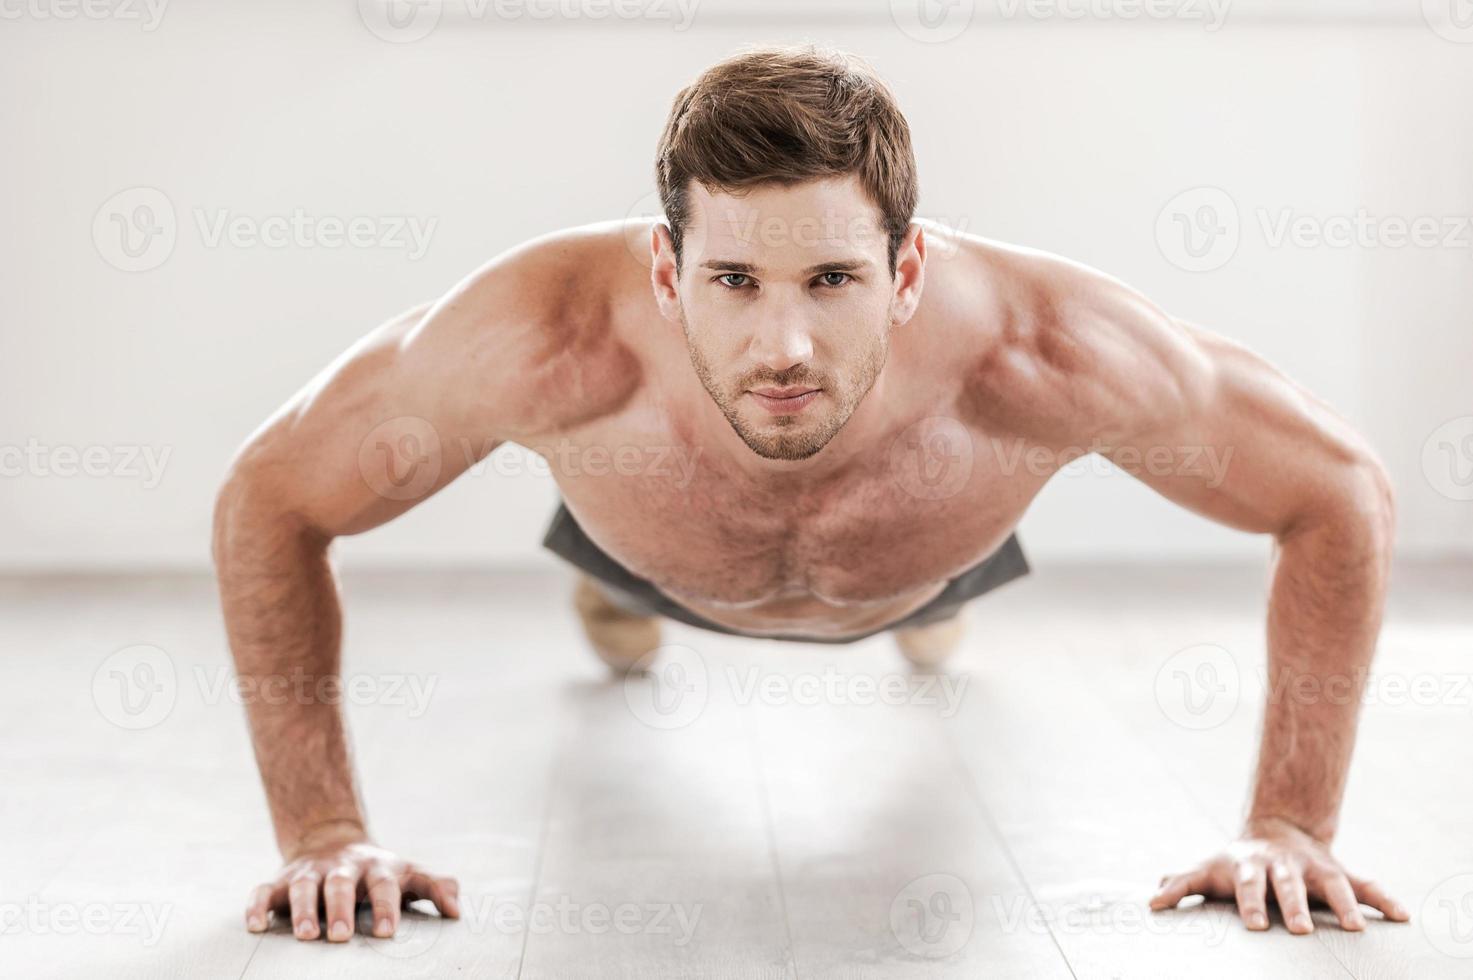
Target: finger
339 896
444 892
1178 887
302 893
1375 896
384 896
1293 902
1337 893
257 907
1250 884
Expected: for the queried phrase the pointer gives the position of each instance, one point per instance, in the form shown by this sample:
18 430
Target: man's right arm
396 418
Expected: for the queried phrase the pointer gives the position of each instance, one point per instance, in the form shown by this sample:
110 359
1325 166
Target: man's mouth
785 401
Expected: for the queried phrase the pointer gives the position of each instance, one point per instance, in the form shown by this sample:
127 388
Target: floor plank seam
249 959
969 781
754 749
542 834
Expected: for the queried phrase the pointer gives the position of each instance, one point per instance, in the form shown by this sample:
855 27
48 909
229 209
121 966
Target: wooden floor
754 809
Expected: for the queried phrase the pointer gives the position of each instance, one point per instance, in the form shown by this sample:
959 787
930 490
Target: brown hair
788 114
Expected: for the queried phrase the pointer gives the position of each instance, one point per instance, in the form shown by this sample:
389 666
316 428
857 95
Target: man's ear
664 276
910 275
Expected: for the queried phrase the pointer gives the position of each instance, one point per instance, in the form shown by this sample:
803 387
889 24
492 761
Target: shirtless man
869 404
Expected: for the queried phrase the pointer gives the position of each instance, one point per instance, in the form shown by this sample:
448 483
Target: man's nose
781 343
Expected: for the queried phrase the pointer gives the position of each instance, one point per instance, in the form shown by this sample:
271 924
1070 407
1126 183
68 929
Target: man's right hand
335 877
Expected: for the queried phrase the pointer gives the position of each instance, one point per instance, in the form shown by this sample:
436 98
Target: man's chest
918 510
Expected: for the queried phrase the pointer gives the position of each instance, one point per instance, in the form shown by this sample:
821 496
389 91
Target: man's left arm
1217 429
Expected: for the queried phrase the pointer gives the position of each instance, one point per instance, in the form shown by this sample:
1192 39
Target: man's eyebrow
747 268
840 265
742 267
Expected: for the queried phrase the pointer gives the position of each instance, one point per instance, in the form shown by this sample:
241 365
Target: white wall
1070 136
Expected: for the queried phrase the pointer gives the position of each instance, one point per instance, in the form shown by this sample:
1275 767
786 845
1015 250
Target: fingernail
304 928
1401 911
1258 920
384 928
1356 922
255 923
452 906
1301 921
338 932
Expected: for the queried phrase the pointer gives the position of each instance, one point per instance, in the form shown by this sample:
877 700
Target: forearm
1325 607
284 624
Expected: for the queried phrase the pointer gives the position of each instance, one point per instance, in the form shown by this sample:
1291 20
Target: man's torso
926 480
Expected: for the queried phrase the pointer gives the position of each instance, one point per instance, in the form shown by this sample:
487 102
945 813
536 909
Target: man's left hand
1299 868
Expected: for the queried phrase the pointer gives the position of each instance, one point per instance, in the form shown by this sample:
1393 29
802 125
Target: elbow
250 513
1364 510
237 498
1375 501
1355 509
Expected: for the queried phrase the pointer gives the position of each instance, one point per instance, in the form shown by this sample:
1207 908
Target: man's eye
828 278
725 280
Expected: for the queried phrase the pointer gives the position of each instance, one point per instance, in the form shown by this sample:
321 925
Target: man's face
787 300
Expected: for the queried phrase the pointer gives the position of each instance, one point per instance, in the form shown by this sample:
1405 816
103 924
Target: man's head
789 184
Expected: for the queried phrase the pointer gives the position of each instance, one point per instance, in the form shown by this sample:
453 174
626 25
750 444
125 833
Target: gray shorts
639 596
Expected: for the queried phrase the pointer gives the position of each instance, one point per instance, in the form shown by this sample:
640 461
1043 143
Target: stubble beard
807 436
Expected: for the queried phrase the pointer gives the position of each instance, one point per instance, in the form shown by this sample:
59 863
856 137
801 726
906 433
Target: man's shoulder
1063 351
540 322
565 283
